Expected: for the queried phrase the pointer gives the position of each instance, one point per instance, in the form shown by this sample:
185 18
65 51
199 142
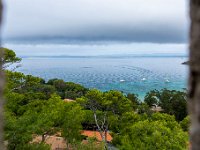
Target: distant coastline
186 63
110 56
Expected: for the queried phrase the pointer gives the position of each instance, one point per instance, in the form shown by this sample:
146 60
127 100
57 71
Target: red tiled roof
58 142
96 134
54 141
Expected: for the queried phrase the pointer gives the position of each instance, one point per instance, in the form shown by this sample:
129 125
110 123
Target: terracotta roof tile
55 142
96 134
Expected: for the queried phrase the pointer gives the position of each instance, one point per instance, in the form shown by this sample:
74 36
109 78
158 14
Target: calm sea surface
128 74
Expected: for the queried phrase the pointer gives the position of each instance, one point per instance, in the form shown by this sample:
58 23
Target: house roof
54 141
96 135
68 100
58 142
156 109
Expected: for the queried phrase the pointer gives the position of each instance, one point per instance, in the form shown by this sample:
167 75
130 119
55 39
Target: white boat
144 79
122 80
167 81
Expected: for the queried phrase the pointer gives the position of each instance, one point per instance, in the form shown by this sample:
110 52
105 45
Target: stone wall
194 75
1 91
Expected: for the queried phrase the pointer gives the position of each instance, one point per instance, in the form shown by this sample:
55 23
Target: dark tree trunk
43 138
2 147
194 72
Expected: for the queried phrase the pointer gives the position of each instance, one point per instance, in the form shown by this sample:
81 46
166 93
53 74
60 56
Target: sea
129 74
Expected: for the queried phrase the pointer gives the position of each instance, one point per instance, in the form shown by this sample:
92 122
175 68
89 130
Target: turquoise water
128 74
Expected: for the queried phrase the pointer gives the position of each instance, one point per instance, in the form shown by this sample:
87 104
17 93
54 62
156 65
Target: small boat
167 81
144 79
122 80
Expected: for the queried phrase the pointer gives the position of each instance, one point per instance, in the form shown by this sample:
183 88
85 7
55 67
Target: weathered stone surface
1 92
194 78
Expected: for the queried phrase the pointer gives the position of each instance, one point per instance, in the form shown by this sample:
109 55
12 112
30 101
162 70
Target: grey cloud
97 20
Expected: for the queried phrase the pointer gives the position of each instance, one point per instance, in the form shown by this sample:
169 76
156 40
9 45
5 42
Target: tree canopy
9 58
172 102
37 107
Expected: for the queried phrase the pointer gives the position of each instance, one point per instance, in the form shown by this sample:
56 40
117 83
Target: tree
153 135
14 102
74 90
59 85
9 58
185 123
48 117
51 81
105 107
134 99
18 130
44 89
143 108
116 102
160 131
17 81
126 120
72 117
67 89
94 102
172 102
151 98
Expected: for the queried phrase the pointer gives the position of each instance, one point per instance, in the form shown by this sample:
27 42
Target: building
96 134
55 141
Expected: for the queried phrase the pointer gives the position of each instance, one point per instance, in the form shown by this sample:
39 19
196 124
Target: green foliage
107 109
36 107
68 89
41 117
90 145
144 108
51 81
143 135
18 131
169 120
113 101
18 82
60 87
14 102
151 98
150 135
185 123
93 100
116 102
172 102
14 80
134 99
74 90
45 90
34 146
118 124
73 117
9 57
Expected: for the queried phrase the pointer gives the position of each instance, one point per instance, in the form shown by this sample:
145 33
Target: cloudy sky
121 21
